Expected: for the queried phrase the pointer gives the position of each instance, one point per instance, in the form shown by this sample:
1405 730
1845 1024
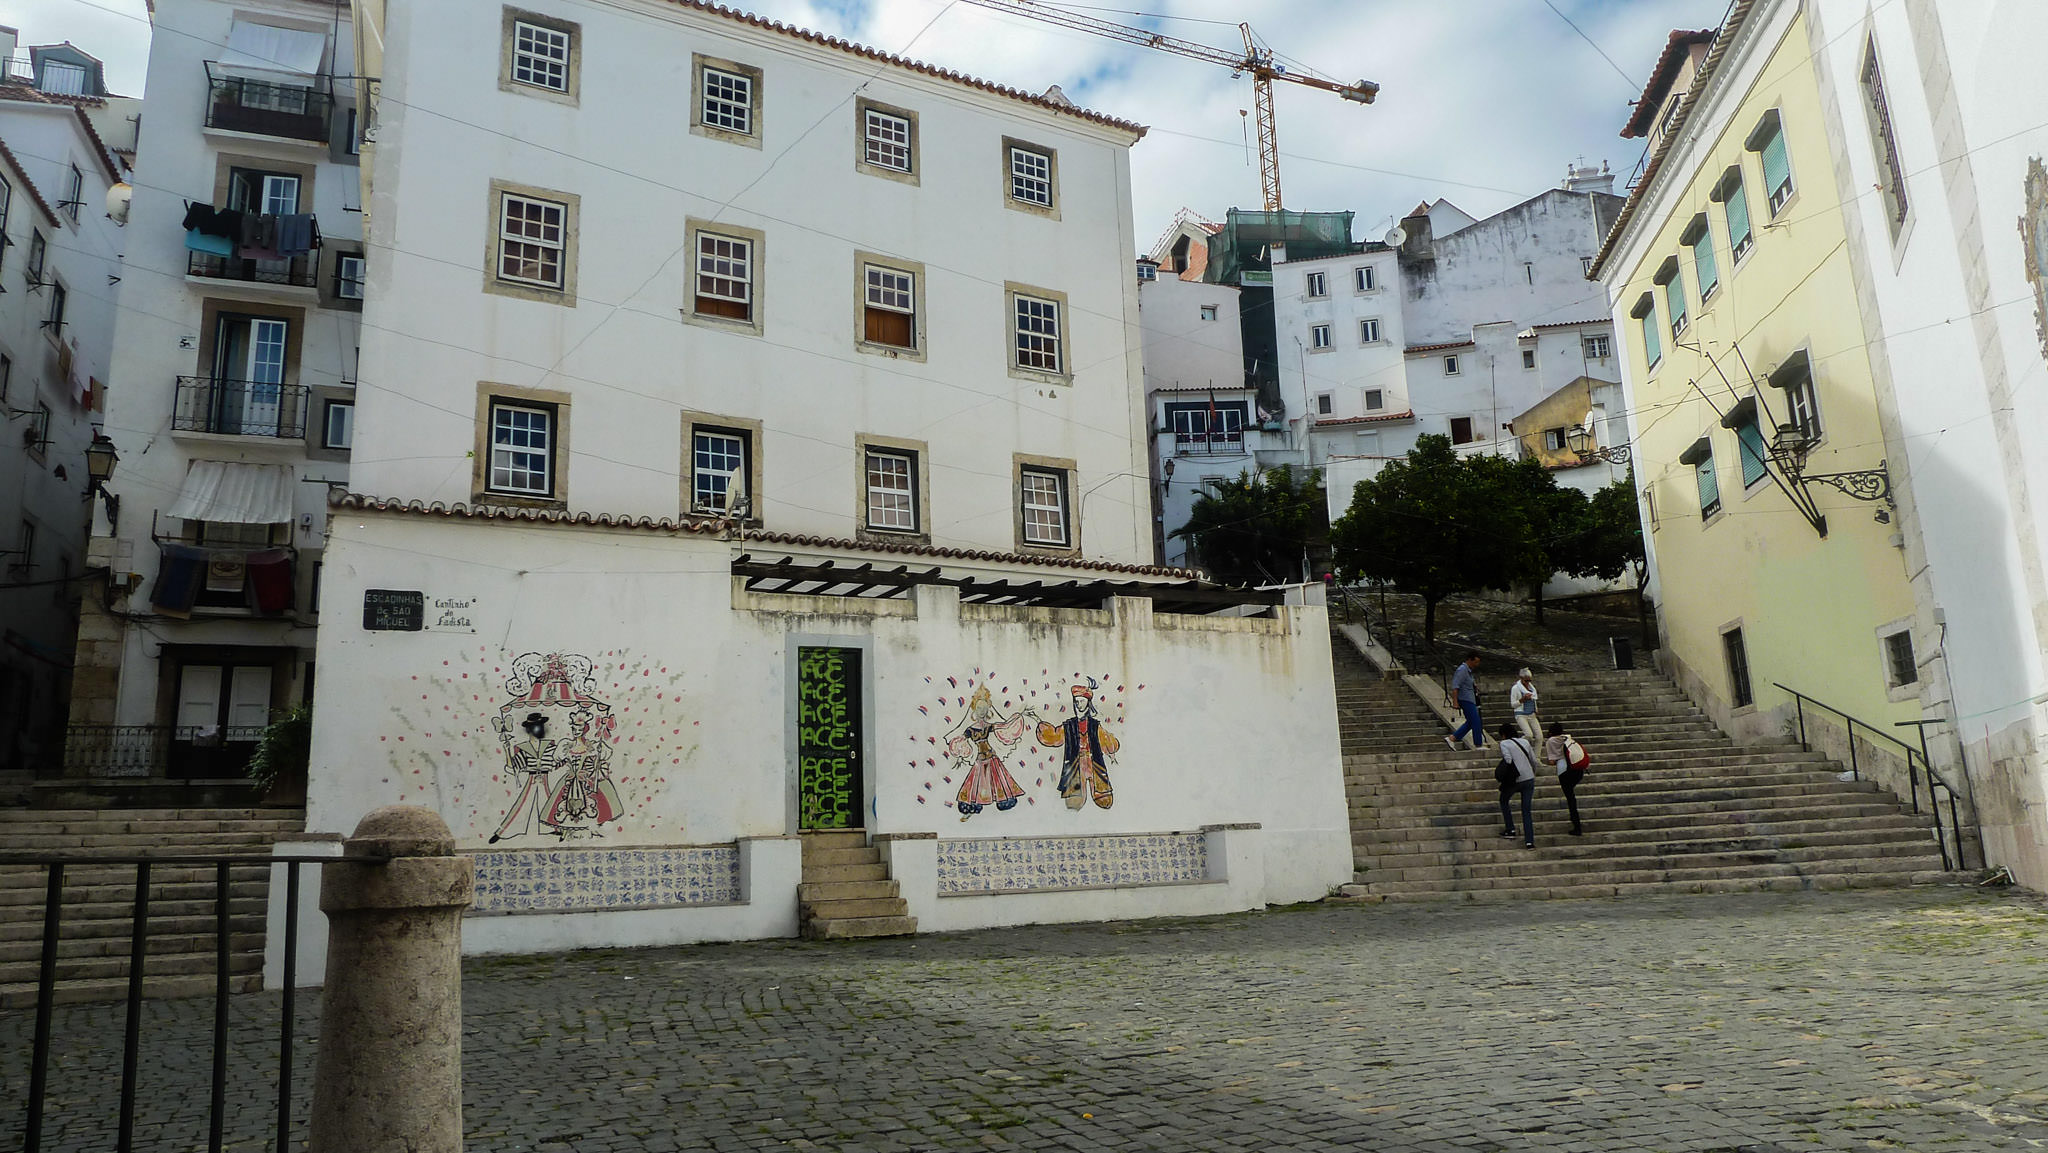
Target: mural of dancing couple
1086 750
565 784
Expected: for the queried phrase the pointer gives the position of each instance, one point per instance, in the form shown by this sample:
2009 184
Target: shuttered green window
1674 299
1710 487
1777 170
1751 438
1703 265
1651 352
1737 207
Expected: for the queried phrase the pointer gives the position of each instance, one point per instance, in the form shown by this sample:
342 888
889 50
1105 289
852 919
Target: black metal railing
267 108
1417 654
240 407
158 750
157 875
1917 766
294 271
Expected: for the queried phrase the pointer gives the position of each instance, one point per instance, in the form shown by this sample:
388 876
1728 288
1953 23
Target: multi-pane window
532 238
892 491
338 424
348 277
1461 430
1038 339
886 140
1044 506
1319 336
1325 404
1598 348
718 462
54 320
1369 331
1450 366
1674 297
540 56
1200 428
1738 668
1696 237
1365 279
39 428
725 276
1375 399
1735 202
38 251
1553 440
1030 177
1318 284
728 101
1900 667
1528 358
1709 483
522 449
890 313
1208 312
1768 141
1802 404
74 193
1884 139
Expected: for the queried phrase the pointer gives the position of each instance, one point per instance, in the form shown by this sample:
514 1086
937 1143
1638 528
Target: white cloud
1482 101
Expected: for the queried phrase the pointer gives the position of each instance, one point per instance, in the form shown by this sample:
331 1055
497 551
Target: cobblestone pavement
1912 1020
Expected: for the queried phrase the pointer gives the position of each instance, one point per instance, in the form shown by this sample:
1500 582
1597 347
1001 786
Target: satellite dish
1396 236
118 198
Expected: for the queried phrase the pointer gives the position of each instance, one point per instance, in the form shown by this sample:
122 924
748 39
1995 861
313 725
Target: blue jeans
1507 817
1471 725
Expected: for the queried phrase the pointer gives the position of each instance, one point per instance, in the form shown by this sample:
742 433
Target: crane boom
1255 59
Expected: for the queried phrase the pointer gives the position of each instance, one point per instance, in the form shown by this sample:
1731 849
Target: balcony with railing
240 407
284 272
268 107
189 751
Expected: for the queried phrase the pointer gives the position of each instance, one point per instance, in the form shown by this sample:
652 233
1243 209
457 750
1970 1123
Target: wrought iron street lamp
1580 440
100 459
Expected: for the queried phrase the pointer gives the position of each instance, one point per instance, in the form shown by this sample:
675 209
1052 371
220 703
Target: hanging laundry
179 576
208 243
270 578
200 217
295 234
227 572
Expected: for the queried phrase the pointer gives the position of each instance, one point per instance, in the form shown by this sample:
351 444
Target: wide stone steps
1671 804
97 915
846 891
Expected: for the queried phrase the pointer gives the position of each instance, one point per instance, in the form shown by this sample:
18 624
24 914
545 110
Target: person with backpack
1571 760
1516 773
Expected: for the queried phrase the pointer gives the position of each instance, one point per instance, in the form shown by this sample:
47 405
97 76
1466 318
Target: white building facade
231 393
1451 326
1940 161
784 474
58 265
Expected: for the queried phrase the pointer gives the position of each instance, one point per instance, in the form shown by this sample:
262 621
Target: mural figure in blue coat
1087 750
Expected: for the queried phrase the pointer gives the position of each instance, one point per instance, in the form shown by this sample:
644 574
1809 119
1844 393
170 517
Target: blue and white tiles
1030 864
588 880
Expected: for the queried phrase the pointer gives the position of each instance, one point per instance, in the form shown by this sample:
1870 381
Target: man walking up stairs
1671 805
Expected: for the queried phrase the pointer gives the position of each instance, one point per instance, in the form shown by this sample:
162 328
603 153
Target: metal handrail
238 407
1916 763
1410 648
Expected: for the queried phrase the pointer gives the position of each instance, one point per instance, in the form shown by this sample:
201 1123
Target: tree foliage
1438 523
1255 529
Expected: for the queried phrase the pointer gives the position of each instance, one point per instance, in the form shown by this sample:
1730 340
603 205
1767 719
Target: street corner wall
1050 749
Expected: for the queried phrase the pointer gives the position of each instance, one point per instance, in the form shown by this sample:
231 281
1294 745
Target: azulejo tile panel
1027 864
584 880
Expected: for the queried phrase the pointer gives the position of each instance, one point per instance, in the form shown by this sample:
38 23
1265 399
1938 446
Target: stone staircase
99 899
846 890
1671 805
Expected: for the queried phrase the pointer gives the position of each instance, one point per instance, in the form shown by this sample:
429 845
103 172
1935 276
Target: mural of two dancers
975 747
566 787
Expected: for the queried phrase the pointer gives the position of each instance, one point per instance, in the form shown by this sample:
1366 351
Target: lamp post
1580 441
100 459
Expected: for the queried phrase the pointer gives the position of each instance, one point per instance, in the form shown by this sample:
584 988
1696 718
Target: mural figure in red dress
973 747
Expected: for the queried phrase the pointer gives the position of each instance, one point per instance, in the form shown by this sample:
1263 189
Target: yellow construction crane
1256 59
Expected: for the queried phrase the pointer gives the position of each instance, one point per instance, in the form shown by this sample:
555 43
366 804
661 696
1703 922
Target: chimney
1586 178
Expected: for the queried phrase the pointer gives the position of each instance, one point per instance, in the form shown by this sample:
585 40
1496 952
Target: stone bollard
389 1072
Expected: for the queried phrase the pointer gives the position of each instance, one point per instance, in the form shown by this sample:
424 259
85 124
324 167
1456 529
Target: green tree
1610 543
1254 529
1438 523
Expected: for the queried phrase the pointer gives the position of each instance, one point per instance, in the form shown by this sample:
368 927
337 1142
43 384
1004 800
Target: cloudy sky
1482 101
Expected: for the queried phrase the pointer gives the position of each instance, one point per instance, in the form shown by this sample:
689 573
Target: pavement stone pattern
1763 1023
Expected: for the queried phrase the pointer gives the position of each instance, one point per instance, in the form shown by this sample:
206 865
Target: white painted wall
82 255
1182 349
1221 720
1963 349
160 333
625 354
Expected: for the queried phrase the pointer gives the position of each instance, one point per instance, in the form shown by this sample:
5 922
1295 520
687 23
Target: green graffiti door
828 744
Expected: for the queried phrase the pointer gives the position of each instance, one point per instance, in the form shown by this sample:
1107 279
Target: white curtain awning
264 48
229 493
